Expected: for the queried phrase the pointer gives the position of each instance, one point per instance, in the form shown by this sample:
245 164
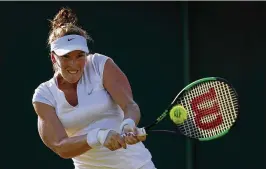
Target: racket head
212 107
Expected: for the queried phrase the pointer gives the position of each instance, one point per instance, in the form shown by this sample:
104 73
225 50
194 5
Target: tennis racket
212 108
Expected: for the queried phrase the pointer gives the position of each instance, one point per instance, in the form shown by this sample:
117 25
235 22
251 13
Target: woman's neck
62 82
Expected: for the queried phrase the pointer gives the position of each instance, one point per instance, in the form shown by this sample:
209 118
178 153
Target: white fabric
129 122
102 135
92 138
69 43
148 165
96 109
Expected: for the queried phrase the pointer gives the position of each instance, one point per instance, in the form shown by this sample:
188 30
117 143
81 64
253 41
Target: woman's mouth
72 71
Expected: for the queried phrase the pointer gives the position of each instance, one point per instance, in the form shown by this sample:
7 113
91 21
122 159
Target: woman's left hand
133 138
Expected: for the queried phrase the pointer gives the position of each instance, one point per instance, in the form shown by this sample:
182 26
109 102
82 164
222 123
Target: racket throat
159 119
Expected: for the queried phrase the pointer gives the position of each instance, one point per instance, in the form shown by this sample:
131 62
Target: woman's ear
53 58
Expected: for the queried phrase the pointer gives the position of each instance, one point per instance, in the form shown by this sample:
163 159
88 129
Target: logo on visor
70 39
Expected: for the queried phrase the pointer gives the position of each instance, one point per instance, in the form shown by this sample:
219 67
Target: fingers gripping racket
212 108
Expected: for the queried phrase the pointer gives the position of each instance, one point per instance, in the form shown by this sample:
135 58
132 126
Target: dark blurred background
161 47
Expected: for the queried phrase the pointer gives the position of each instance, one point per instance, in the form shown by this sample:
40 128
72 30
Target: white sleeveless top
95 109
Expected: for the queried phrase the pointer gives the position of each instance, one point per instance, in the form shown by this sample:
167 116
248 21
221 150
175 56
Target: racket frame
173 103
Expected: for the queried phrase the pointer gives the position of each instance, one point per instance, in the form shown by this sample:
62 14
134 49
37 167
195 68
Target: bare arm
54 136
116 83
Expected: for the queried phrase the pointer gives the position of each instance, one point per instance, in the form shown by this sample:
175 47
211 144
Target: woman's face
71 65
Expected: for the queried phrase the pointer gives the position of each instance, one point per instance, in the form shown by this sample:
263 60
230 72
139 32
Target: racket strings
227 116
189 127
222 101
227 105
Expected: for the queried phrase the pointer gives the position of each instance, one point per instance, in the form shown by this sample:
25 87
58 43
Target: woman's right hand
114 141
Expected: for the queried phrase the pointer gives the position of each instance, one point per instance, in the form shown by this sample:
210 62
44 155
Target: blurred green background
161 46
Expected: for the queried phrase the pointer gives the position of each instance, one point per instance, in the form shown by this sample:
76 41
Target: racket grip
140 131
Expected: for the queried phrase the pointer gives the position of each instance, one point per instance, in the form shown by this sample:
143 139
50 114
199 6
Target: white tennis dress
95 109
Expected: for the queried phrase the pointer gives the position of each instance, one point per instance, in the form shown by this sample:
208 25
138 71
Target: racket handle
141 132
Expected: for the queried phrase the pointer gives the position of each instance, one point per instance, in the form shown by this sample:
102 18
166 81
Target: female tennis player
86 106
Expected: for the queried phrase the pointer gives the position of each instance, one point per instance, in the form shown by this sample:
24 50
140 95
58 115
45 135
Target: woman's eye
80 56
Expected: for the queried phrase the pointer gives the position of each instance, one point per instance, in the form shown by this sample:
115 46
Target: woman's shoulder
43 92
96 57
97 61
45 85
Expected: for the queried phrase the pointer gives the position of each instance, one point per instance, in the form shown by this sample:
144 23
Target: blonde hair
65 23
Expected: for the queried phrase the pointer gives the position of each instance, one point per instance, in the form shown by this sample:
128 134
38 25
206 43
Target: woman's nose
72 61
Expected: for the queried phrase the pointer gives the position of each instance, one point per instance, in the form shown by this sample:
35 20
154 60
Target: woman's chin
72 79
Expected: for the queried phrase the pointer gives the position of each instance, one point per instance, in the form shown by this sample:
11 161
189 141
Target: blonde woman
86 106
